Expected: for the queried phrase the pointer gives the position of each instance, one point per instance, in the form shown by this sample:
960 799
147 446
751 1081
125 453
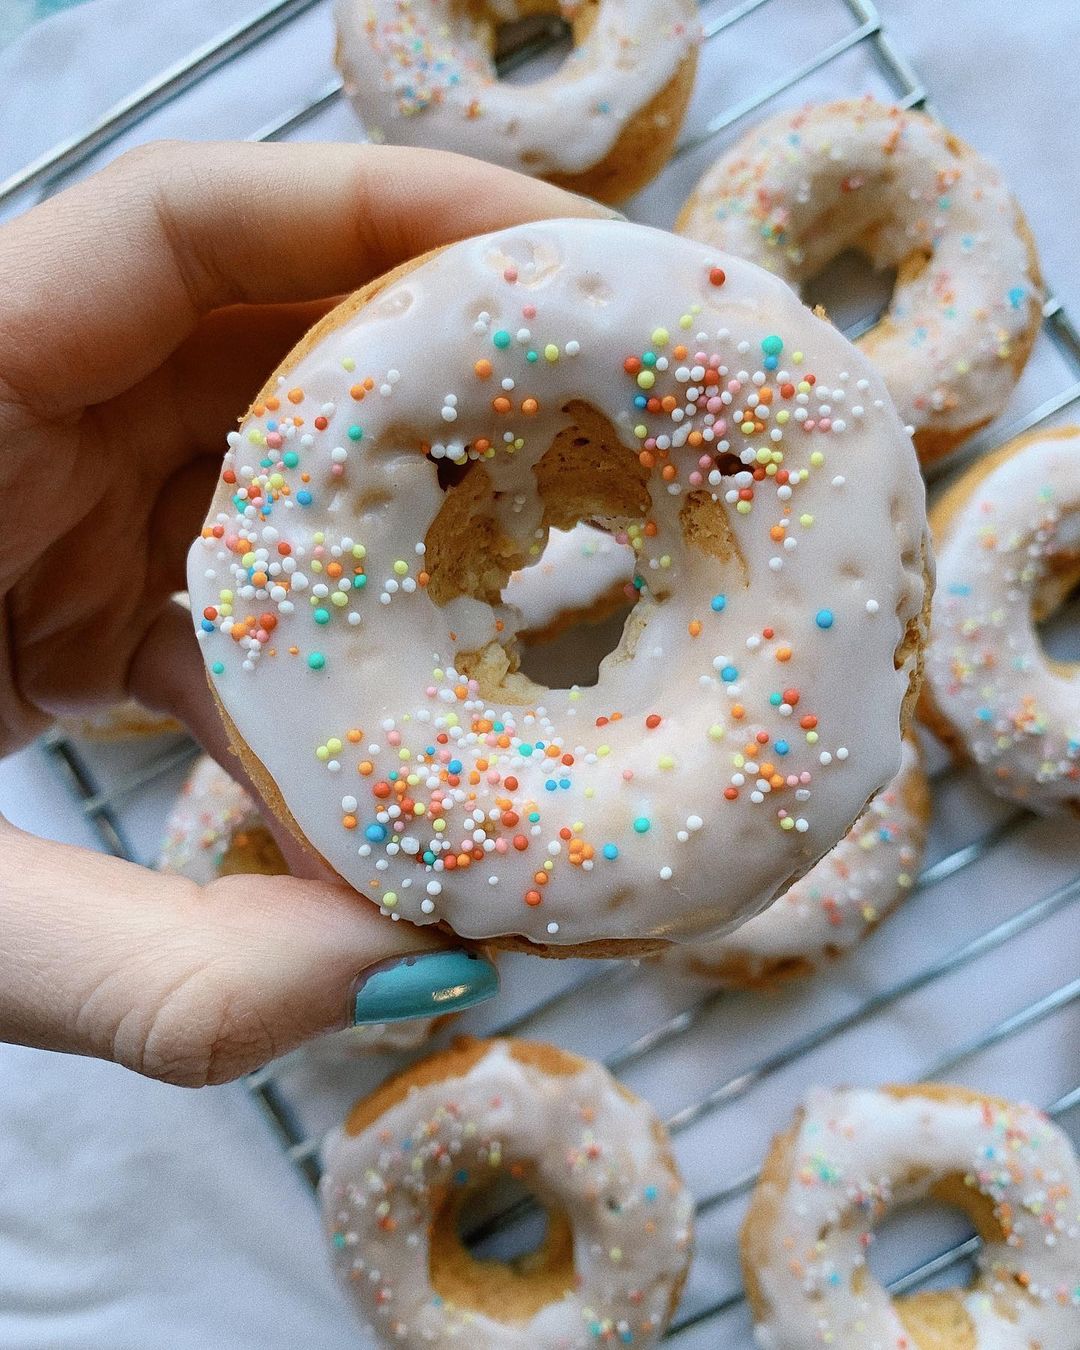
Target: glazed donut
854 1154
407 457
798 190
421 72
216 830
412 1155
837 903
1009 537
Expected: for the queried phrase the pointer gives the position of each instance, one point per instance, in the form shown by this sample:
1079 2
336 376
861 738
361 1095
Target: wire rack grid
921 990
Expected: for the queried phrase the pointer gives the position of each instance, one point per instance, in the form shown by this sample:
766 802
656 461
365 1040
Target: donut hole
566 644
933 1318
853 291
1055 613
532 46
481 535
505 1271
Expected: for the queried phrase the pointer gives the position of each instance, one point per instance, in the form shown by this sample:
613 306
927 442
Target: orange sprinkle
296 396
783 653
530 407
349 822
694 628
483 369
501 404
353 735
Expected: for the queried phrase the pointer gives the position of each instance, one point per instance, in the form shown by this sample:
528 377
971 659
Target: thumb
197 985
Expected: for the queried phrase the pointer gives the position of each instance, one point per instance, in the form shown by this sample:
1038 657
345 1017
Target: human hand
183 270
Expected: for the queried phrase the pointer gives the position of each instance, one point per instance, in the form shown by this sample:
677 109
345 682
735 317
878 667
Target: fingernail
425 985
596 206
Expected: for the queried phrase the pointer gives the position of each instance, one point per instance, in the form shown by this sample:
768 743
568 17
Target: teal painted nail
425 985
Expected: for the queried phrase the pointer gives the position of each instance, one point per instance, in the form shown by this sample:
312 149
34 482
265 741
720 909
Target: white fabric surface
136 1215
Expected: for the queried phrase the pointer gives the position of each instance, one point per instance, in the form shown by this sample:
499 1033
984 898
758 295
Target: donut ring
379 709
422 73
838 903
1009 535
804 186
216 830
410 1156
853 1154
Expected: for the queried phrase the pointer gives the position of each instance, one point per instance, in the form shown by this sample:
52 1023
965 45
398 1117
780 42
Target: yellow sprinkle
817 459
716 732
603 750
400 567
660 337
390 899
666 761
551 352
646 379
806 520
334 745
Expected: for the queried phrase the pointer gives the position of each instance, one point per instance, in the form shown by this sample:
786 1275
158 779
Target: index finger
103 281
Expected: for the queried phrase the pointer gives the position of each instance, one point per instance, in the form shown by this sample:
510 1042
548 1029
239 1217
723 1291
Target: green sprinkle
316 660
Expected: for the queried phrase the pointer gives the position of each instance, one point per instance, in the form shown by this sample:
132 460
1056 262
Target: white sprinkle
665 874
553 927
872 606
427 906
842 752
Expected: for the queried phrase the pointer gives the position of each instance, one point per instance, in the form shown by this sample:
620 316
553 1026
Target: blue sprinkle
781 747
564 782
304 497
640 401
717 603
728 674
455 766
1016 295
610 852
957 588
376 833
824 618
551 785
207 626
771 362
985 714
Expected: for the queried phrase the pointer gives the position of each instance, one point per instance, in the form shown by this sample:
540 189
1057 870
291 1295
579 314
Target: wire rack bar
736 1087
70 155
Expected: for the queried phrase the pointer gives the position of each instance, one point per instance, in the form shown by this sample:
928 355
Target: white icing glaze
590 1152
856 1154
803 186
419 72
1016 714
579 569
355 683
210 812
839 900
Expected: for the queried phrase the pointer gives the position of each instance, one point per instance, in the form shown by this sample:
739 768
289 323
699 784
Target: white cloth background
135 1215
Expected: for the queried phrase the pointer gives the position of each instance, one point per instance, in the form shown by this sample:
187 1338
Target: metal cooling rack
104 806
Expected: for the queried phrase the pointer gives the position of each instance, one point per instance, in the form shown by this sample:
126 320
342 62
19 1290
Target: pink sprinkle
627 775
393 737
825 424
733 386
529 311
510 275
696 479
273 440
